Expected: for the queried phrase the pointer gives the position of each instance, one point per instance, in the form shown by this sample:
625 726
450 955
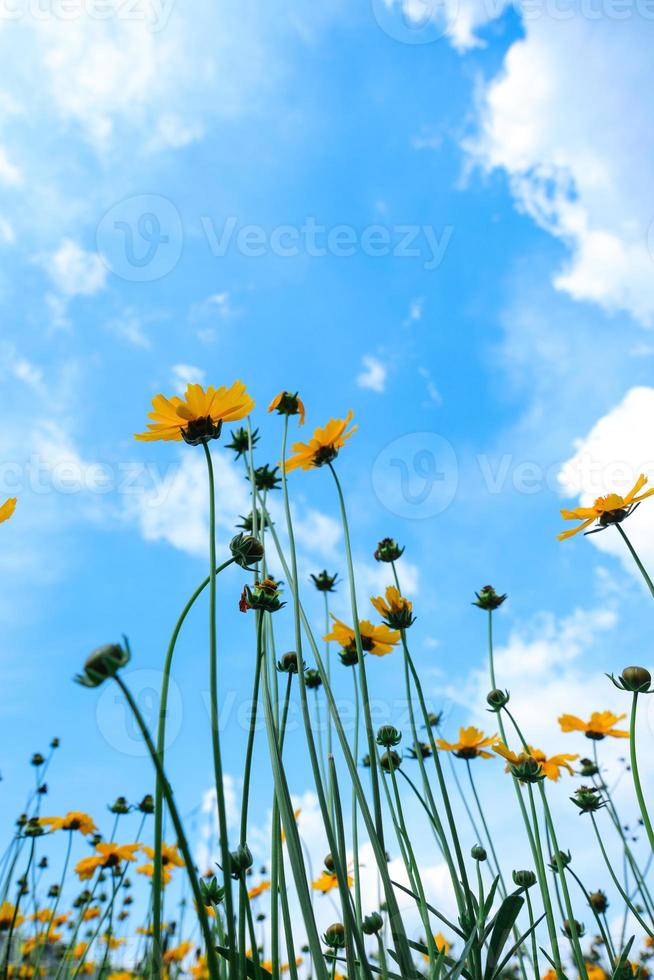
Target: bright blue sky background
527 345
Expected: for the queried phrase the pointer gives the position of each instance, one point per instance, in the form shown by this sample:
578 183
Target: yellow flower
610 509
550 767
197 417
200 969
395 610
7 509
323 446
259 889
328 881
107 856
74 820
7 912
113 942
79 950
288 403
170 857
177 953
441 944
91 913
595 972
120 975
600 725
470 745
378 640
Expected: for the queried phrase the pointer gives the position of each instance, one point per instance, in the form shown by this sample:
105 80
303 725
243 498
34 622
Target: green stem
641 567
634 769
212 962
56 902
616 882
161 749
480 810
14 917
215 735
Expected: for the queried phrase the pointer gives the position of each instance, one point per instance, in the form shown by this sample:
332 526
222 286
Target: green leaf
504 922
619 967
251 969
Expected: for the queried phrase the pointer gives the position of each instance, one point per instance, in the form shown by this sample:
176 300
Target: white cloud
373 375
573 136
7 233
609 458
10 174
186 374
128 326
74 271
416 307
458 20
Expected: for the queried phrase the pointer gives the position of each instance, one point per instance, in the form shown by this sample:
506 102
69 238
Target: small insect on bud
478 853
572 928
599 901
634 679
390 761
524 879
246 550
489 599
102 664
388 550
388 736
497 699
324 582
312 679
334 936
372 924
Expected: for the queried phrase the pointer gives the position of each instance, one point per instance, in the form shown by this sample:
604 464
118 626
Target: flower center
201 430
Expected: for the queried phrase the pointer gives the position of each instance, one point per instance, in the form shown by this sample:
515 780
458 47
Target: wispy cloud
373 375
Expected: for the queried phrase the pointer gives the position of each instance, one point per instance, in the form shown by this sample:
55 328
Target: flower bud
246 550
241 860
264 595
334 935
388 550
212 893
478 853
241 441
372 924
488 598
587 768
390 761
560 857
103 663
599 901
147 804
266 478
312 679
636 679
120 806
289 663
37 759
572 928
587 798
497 699
324 582
388 736
329 863
524 879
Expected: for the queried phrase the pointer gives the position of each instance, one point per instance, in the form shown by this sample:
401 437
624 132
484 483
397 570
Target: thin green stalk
14 917
179 830
641 567
56 901
616 882
355 810
498 871
215 734
635 773
605 934
374 771
109 933
534 943
161 749
544 889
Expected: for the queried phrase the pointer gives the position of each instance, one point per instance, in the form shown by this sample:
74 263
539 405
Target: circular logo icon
140 238
415 21
116 722
416 476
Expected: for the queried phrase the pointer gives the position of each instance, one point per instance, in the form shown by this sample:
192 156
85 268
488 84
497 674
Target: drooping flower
377 640
74 820
106 856
395 610
471 744
611 509
288 403
7 509
197 417
323 447
328 881
601 724
550 767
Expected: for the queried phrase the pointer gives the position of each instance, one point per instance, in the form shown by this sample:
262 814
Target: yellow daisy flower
394 609
328 881
611 509
106 856
74 820
7 911
7 509
377 640
288 403
259 889
601 724
323 446
197 417
550 767
471 744
177 953
442 945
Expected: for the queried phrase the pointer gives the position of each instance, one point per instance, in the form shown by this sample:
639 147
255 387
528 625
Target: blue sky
513 344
